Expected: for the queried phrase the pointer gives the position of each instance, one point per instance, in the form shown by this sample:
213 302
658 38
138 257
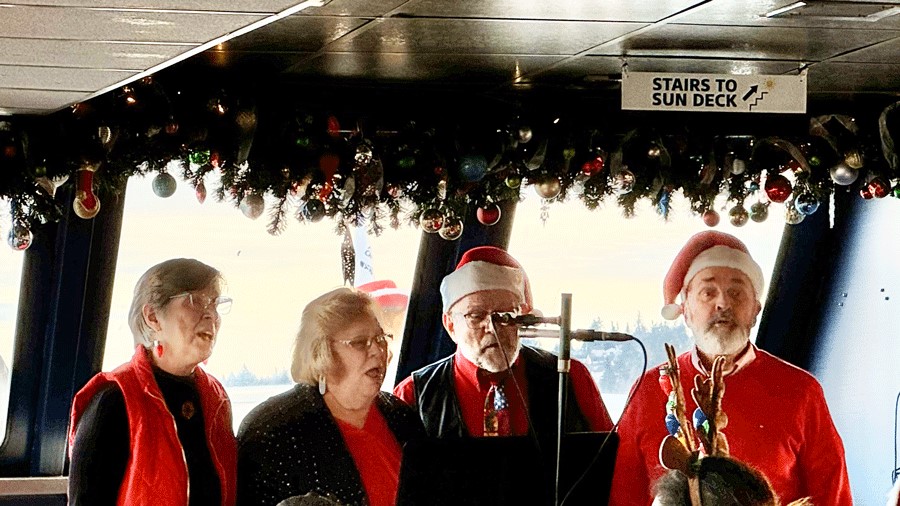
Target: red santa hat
386 293
485 268
707 249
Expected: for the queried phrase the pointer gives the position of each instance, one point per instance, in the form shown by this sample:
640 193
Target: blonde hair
324 316
161 282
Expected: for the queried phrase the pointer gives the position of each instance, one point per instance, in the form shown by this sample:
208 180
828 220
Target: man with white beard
493 385
778 421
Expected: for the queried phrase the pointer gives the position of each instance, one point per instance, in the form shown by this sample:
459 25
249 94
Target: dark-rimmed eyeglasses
477 319
365 343
202 303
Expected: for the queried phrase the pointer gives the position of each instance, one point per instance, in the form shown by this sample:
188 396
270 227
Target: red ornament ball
878 187
593 166
488 215
711 218
334 126
778 188
866 193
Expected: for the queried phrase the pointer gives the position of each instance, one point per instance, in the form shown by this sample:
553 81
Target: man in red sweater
778 421
493 385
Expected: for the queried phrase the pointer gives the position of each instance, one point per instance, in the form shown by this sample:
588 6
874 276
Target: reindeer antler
709 418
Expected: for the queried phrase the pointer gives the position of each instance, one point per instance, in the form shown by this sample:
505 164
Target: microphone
578 335
525 320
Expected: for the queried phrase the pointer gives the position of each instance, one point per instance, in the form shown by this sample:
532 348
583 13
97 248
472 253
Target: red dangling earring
159 349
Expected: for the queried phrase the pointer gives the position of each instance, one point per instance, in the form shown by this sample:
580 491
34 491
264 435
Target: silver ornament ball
19 238
452 228
843 175
431 220
164 185
253 205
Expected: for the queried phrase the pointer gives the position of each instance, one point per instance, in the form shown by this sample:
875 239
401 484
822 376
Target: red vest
157 472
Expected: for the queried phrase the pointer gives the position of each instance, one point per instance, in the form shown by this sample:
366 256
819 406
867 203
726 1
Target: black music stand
506 470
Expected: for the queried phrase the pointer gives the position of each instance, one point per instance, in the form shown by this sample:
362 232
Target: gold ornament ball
431 220
738 216
452 228
548 188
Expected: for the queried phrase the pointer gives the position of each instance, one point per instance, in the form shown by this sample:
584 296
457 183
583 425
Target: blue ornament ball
164 185
314 210
699 418
672 424
806 203
472 168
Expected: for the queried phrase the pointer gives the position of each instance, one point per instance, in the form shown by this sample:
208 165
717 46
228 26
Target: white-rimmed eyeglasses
365 343
476 319
201 303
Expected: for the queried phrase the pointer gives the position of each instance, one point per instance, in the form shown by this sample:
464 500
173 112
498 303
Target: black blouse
101 451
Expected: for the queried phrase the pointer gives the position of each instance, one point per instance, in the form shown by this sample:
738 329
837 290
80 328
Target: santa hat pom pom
671 311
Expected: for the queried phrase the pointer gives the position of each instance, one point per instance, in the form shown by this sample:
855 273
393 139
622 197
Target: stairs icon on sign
758 98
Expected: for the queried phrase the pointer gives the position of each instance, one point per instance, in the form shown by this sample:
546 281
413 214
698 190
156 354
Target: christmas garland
427 174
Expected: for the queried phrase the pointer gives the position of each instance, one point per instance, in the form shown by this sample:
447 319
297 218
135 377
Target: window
270 278
10 281
614 268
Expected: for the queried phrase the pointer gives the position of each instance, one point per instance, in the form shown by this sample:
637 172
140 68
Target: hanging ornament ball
451 229
199 157
854 159
622 182
513 181
253 205
200 192
333 126
843 175
738 215
488 215
172 127
164 185
865 193
878 187
792 216
897 191
363 154
394 191
593 166
672 424
654 151
524 134
431 220
711 218
313 210
738 166
472 168
814 161
759 212
699 418
778 188
806 203
548 188
20 238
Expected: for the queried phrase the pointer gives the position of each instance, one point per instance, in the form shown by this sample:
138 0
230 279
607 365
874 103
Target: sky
612 266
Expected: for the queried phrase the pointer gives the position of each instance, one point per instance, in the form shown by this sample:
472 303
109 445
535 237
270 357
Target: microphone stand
563 367
566 334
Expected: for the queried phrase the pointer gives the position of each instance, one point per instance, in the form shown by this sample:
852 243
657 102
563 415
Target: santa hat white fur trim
476 276
723 256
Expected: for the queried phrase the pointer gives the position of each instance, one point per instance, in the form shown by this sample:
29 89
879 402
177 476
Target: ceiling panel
455 36
746 43
752 13
295 33
886 51
262 6
598 71
249 62
354 8
52 78
84 24
85 54
494 69
36 101
854 77
577 10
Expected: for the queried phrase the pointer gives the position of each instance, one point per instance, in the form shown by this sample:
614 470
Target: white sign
652 91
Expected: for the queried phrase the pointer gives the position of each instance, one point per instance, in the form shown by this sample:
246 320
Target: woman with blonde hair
335 434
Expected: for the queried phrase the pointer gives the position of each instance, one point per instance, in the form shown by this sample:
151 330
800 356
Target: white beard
721 341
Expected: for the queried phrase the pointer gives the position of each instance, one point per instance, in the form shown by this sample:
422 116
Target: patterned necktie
496 412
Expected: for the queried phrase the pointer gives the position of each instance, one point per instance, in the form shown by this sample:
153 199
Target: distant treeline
246 378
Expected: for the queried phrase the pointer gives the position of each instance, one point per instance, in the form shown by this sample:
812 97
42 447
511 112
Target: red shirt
472 385
377 454
778 422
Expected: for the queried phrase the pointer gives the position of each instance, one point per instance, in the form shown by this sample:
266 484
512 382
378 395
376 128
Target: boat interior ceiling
55 53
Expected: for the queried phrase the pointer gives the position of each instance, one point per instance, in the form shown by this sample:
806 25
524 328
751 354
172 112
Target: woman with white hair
335 434
157 430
